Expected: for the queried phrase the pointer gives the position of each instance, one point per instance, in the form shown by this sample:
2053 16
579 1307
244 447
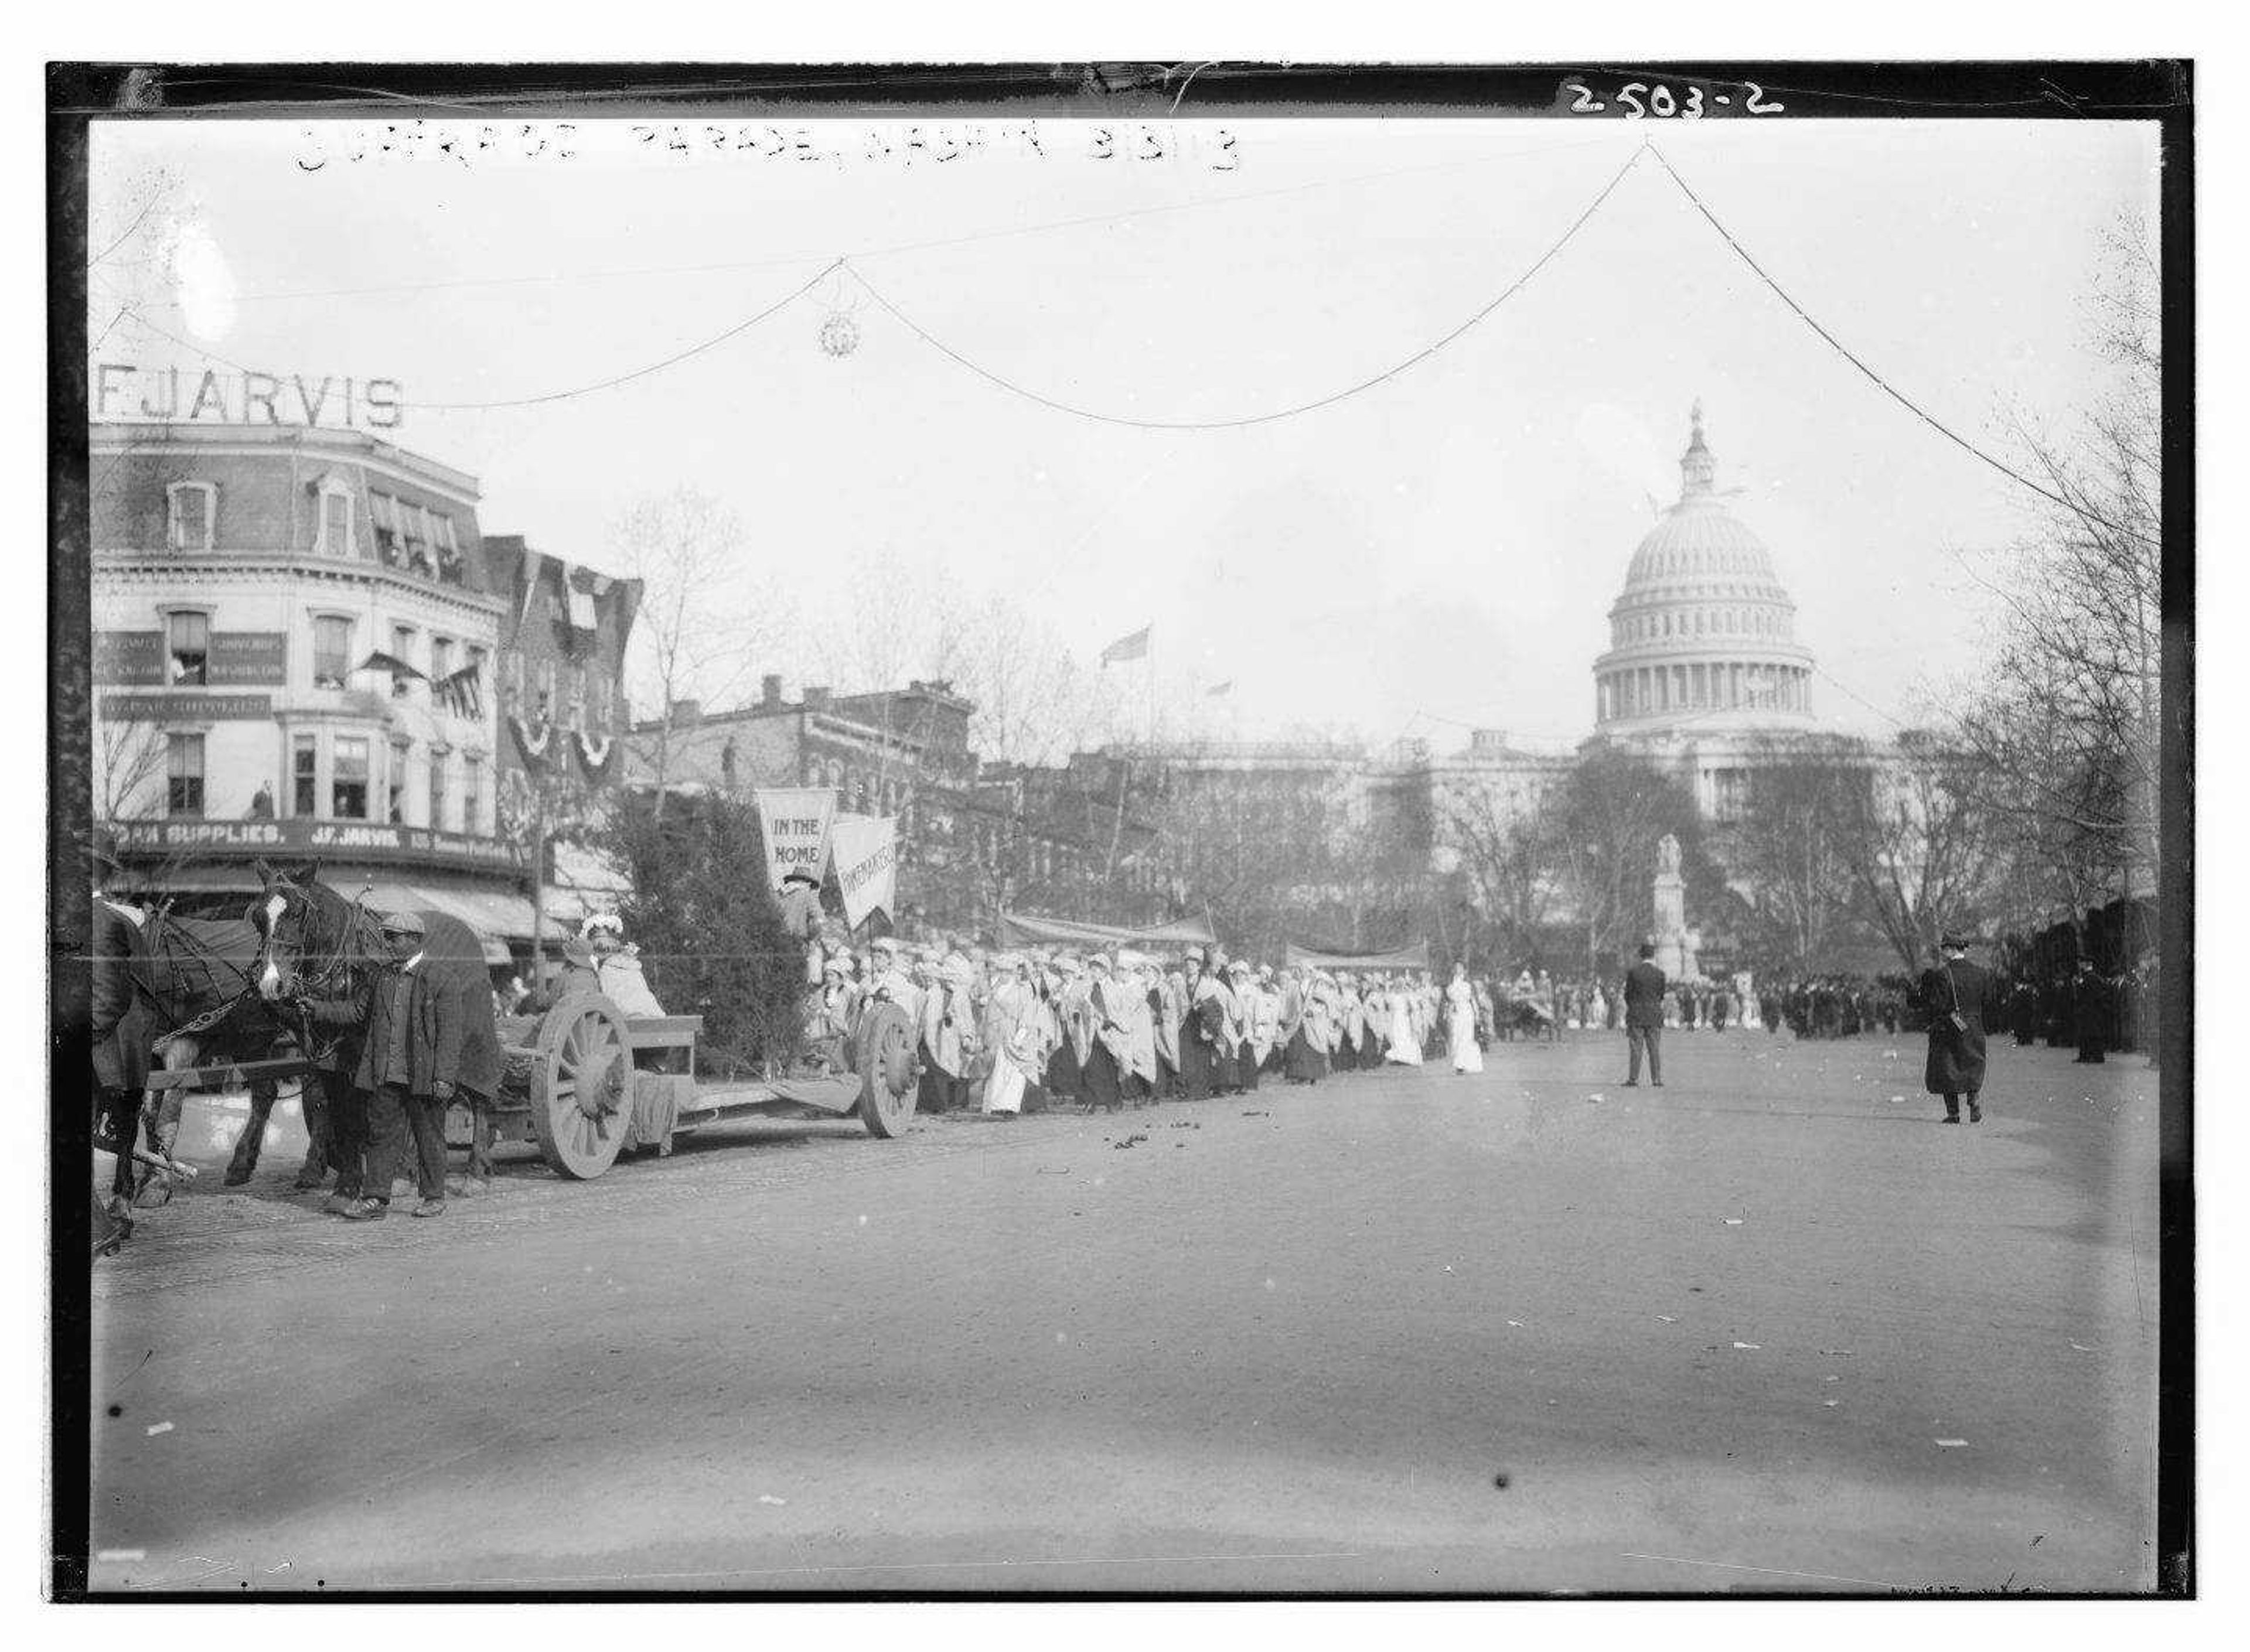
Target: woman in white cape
1405 1041
1012 1034
1460 1021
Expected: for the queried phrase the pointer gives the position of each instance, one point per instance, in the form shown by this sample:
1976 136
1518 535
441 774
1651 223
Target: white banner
866 864
795 819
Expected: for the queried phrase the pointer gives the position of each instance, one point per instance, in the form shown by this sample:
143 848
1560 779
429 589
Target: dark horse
204 982
326 947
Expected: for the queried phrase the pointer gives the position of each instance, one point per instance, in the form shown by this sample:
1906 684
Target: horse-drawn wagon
583 1082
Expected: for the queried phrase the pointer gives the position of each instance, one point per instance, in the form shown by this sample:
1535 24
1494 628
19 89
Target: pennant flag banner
1414 957
462 690
795 819
1022 929
379 661
1127 648
866 849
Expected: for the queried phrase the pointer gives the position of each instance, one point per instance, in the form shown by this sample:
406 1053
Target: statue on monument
1676 943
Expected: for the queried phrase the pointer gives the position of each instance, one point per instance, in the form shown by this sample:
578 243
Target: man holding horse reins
414 1022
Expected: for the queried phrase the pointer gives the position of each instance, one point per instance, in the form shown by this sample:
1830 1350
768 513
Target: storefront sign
128 657
342 840
124 392
248 656
867 863
795 820
184 705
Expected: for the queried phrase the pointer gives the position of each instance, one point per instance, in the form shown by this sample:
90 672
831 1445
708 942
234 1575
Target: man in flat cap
1954 995
414 1033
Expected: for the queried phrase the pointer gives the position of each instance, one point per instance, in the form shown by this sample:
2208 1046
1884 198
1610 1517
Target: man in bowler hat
1643 1017
1954 995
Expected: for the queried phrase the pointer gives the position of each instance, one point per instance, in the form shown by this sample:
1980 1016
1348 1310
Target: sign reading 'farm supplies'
123 392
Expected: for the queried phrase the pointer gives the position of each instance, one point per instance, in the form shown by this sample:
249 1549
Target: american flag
1127 648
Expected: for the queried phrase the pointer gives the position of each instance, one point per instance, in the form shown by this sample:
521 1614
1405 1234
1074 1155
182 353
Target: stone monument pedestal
1671 891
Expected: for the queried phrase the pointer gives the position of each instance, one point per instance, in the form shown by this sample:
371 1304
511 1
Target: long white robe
1405 1041
1460 1003
1012 1034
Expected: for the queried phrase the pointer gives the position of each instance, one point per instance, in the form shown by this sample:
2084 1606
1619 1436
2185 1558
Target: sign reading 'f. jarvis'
124 392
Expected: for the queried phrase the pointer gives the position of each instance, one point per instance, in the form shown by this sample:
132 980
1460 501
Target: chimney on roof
1489 740
769 689
686 713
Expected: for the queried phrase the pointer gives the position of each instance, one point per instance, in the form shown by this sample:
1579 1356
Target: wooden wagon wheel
582 1086
887 1079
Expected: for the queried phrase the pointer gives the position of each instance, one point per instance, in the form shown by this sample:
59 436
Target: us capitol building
1704 674
1703 679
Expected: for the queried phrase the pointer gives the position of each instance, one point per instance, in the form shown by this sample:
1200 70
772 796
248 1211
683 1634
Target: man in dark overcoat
1643 1017
2090 1009
427 1037
1954 994
123 1027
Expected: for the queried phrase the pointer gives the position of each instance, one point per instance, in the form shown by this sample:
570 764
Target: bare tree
2069 730
1785 852
1609 816
1510 858
129 755
1920 845
691 644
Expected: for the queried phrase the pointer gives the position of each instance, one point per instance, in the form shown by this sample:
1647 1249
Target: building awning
487 914
1024 929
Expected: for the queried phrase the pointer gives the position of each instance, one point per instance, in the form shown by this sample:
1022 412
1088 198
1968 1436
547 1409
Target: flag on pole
461 691
1127 648
1214 692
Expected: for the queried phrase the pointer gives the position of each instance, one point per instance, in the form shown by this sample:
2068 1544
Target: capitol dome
1704 634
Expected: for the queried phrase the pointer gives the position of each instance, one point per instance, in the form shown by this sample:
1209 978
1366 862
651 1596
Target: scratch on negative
1774 1571
903 1565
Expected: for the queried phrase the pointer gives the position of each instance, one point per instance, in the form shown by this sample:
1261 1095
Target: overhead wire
1097 416
1877 379
610 382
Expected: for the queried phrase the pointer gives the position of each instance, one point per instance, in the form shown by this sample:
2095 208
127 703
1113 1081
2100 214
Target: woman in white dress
1405 1041
1460 1014
1012 1034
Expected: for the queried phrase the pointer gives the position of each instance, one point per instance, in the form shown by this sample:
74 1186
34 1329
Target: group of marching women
1113 1030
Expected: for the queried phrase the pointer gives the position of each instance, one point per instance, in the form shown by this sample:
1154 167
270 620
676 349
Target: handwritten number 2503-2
1661 103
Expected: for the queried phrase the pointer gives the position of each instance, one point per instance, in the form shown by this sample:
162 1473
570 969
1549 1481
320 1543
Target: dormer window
191 508
334 536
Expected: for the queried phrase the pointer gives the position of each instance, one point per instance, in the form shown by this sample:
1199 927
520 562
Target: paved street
1772 1327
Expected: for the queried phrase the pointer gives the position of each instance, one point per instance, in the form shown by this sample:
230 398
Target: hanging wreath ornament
533 749
594 748
839 333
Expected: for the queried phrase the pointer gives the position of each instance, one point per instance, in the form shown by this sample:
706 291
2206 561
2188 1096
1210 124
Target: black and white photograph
1181 830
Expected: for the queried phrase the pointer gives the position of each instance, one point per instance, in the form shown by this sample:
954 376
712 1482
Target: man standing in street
416 1021
122 1028
1953 995
1643 1017
2090 1009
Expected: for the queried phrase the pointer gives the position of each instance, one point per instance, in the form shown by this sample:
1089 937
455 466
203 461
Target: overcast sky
1436 552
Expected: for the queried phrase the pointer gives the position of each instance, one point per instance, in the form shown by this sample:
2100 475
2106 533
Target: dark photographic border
79 95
